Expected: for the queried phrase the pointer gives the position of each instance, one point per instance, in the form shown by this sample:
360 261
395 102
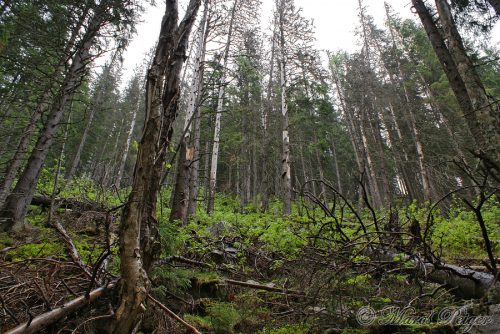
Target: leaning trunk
17 203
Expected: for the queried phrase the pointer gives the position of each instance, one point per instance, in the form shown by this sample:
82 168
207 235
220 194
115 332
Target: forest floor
239 270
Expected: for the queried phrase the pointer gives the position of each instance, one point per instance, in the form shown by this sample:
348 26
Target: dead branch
38 323
174 316
68 203
262 287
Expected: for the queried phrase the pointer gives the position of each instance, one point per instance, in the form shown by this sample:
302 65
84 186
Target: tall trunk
139 235
372 177
350 125
126 150
266 110
194 171
286 177
23 144
220 107
17 203
22 148
484 109
186 176
451 70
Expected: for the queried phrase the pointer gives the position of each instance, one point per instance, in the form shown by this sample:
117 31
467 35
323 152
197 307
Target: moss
288 329
198 321
6 240
32 250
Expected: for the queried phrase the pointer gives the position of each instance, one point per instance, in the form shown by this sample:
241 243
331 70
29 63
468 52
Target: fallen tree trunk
68 203
42 321
257 286
465 283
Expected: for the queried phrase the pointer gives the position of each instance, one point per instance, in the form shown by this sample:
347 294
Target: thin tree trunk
188 163
81 144
126 150
181 188
286 178
336 167
220 107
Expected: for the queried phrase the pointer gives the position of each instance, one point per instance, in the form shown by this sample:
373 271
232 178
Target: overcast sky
335 22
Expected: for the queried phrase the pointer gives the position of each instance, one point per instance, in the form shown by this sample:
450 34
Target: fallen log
257 286
68 203
42 321
464 283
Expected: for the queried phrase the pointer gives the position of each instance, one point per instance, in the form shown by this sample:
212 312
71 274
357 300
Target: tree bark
139 235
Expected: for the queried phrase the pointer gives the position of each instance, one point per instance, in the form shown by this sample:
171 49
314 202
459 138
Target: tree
220 106
100 19
466 84
139 236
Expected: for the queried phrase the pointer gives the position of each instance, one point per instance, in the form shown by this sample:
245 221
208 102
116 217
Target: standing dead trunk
139 235
220 107
189 146
126 150
286 177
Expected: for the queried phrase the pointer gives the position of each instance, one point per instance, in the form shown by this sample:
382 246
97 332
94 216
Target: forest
240 179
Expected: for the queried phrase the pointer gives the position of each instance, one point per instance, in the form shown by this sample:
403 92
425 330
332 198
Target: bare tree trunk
192 128
139 235
126 150
269 107
81 144
17 203
286 178
220 107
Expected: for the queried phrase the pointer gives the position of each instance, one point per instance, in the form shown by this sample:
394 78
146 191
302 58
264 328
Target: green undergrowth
268 248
